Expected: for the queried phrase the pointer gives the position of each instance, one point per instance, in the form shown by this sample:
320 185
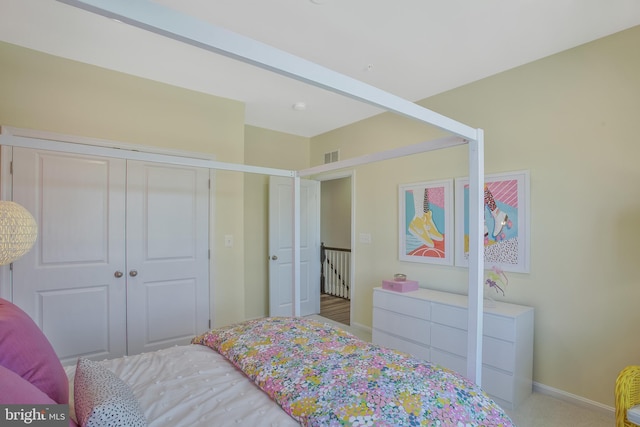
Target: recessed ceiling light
299 106
317 1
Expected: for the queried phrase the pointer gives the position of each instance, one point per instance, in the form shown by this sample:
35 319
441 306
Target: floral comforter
324 376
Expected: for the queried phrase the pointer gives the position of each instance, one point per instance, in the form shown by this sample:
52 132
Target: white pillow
103 399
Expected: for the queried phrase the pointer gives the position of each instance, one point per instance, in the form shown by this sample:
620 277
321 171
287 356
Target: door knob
133 273
274 257
118 274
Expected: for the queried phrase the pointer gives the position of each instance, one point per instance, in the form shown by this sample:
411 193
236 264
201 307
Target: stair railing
335 271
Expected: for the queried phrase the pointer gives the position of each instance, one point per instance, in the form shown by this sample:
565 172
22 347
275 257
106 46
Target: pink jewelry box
400 286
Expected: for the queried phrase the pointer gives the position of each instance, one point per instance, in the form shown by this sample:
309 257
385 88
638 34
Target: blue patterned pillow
101 398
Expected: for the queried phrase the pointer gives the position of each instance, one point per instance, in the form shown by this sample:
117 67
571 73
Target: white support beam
421 147
476 258
161 20
92 150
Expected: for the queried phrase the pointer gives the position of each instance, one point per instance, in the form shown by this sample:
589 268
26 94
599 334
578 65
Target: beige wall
335 213
47 93
571 120
271 149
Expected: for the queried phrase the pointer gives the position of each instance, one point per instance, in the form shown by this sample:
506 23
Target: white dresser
432 325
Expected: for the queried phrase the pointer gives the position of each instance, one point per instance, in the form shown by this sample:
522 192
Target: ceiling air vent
331 157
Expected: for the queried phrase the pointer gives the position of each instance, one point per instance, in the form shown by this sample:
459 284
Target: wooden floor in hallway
335 308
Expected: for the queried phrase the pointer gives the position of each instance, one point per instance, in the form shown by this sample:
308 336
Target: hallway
335 308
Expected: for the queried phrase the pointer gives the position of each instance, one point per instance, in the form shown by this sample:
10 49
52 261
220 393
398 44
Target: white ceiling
411 48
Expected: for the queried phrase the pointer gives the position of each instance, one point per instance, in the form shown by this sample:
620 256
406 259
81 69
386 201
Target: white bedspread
193 385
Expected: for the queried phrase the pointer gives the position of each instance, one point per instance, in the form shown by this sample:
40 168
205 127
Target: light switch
365 238
228 240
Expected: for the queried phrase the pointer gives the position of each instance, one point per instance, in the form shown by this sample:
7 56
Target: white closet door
67 282
167 255
281 246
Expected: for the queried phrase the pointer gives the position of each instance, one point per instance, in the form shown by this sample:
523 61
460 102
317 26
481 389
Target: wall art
426 222
506 221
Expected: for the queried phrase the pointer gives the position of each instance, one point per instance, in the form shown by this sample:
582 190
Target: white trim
98 142
572 398
352 269
6 154
476 263
295 259
213 260
166 22
335 175
421 147
71 147
360 326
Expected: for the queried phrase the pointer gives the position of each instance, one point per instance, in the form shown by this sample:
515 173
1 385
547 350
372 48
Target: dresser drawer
400 325
498 353
451 340
386 340
497 383
410 306
500 327
449 315
432 325
449 361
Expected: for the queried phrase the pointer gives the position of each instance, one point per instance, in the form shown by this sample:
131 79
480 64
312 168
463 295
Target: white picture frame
426 222
507 228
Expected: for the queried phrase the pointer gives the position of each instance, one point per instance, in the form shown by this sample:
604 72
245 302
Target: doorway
336 234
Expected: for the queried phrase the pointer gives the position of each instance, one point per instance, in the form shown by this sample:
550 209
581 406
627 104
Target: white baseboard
361 327
572 398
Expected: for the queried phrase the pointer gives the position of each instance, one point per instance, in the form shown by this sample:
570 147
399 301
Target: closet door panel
167 255
281 247
91 305
66 283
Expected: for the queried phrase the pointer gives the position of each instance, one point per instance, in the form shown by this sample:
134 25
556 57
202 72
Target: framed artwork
426 222
506 221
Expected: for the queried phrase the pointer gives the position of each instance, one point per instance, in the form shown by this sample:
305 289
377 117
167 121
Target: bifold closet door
167 255
68 282
121 263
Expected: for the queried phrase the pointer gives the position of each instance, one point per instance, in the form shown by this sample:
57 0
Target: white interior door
281 246
67 283
167 255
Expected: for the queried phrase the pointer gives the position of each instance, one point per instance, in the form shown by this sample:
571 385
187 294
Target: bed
280 371
319 375
160 20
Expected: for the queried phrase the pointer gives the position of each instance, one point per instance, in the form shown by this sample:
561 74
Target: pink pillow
15 390
26 351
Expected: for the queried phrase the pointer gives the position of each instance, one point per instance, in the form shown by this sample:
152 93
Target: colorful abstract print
323 376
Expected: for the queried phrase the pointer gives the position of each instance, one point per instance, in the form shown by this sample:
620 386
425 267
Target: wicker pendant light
18 231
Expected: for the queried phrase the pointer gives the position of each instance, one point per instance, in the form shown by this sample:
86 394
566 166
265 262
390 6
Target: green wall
571 120
48 93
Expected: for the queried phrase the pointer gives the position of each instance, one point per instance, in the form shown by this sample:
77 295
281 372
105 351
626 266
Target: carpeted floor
541 410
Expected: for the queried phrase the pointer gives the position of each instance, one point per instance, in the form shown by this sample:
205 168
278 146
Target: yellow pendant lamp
18 231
